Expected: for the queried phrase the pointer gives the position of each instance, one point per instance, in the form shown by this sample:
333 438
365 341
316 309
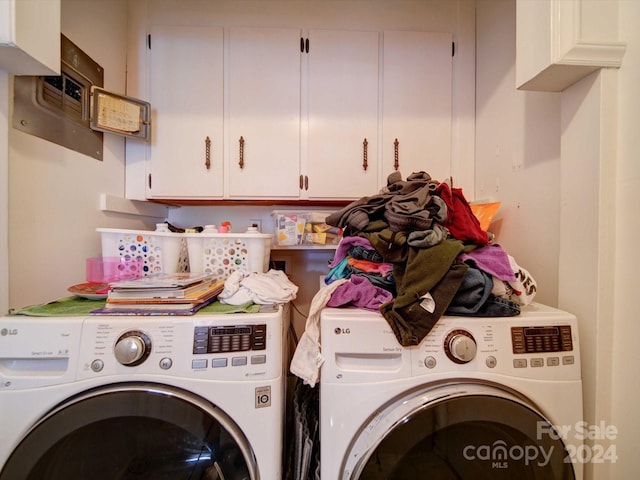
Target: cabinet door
559 42
264 112
416 111
186 81
343 114
30 37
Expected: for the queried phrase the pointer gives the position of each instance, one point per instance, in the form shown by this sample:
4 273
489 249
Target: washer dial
460 346
132 348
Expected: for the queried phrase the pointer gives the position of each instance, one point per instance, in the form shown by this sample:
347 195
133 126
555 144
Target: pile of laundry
415 251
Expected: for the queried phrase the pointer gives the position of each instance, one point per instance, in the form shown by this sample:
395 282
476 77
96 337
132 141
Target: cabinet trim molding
595 54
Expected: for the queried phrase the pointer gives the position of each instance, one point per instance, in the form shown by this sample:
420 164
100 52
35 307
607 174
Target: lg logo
339 331
8 331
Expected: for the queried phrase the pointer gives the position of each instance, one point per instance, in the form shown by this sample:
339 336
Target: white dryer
135 397
479 398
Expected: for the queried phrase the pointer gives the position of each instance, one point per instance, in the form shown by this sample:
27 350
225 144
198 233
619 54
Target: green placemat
75 306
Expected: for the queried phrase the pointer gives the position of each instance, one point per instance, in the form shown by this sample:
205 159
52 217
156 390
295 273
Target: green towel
63 307
78 306
217 307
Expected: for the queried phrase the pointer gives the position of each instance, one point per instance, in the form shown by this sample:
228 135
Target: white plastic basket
224 253
217 253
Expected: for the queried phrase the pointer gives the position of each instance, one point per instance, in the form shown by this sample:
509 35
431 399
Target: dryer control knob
460 346
132 348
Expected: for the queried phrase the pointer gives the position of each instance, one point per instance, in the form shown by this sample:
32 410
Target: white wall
4 191
587 250
625 391
53 191
600 184
517 150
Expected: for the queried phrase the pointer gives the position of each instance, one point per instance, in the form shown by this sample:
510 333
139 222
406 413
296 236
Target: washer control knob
460 346
132 348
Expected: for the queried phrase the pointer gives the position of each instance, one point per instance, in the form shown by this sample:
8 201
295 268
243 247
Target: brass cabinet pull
365 163
241 162
207 153
396 163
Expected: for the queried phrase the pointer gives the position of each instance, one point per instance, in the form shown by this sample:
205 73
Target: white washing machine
479 398
135 397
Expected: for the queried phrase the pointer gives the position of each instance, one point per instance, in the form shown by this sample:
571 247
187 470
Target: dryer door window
487 434
133 432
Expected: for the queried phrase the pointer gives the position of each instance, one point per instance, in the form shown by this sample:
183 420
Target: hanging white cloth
307 359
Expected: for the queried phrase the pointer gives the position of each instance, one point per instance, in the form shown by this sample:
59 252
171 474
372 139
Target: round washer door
133 431
463 431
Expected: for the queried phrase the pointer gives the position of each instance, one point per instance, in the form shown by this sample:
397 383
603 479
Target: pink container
112 269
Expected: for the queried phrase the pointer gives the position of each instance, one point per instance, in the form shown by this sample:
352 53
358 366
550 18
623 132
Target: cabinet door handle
207 153
365 163
241 145
301 181
396 162
306 182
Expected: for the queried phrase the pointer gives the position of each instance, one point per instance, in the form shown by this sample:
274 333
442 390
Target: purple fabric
491 259
359 292
344 247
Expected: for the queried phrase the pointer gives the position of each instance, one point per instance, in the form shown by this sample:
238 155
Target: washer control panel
229 338
527 346
542 339
243 347
541 343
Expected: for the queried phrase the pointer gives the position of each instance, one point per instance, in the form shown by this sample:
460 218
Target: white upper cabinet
558 42
267 107
186 94
343 91
30 37
264 112
416 103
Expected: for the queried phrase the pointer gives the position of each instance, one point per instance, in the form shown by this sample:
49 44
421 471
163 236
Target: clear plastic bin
303 227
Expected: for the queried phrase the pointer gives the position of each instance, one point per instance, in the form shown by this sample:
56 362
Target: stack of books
161 294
